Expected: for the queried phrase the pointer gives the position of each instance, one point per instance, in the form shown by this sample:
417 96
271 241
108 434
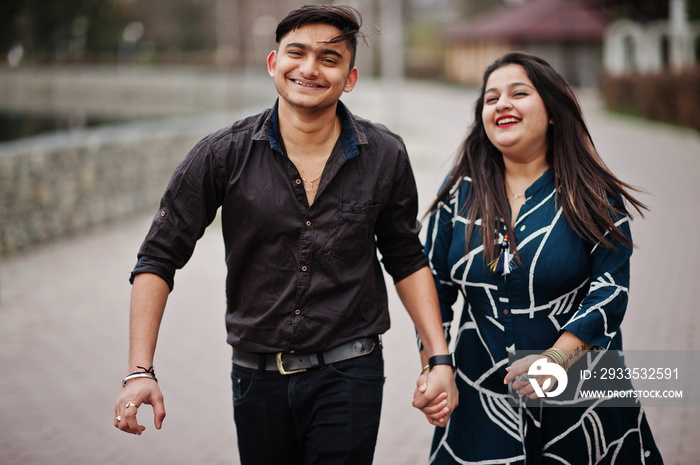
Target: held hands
135 393
436 395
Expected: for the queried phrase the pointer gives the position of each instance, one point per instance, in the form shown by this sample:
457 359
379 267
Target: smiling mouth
507 121
305 84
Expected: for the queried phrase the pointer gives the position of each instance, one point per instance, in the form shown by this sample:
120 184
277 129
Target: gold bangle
426 369
558 356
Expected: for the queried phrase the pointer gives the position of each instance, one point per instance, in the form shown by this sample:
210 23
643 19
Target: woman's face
514 115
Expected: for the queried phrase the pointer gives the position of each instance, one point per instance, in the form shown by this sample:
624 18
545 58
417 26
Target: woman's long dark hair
584 184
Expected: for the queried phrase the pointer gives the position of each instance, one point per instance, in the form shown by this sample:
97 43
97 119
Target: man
308 192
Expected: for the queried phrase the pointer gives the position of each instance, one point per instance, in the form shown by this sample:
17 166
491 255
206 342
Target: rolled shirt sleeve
187 207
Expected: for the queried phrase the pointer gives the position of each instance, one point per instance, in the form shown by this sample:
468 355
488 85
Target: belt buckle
280 366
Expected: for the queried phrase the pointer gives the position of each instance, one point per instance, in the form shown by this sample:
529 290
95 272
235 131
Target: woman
533 230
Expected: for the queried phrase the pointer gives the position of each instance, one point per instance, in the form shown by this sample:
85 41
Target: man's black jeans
327 415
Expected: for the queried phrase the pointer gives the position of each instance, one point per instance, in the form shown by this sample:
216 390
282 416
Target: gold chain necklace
308 185
515 196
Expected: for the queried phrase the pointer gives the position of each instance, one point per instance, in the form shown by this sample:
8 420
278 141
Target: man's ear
271 63
351 80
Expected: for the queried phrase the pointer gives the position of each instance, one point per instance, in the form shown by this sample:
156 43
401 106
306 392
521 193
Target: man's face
311 74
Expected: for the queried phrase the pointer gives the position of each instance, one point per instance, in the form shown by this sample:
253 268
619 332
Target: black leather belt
286 363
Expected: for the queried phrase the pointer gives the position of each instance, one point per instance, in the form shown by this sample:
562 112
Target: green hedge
671 98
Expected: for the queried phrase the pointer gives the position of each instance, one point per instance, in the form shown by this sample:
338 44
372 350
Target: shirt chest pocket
353 232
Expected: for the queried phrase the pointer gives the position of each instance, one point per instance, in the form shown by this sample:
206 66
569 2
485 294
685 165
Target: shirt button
304 268
298 181
505 312
308 223
297 312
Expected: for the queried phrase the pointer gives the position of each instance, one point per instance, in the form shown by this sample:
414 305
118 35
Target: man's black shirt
300 279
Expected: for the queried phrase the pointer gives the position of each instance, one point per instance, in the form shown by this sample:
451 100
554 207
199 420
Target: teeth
304 84
508 121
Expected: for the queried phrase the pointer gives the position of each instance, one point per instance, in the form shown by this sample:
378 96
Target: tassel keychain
502 265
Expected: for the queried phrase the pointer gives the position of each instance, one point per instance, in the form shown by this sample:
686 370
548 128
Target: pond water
16 125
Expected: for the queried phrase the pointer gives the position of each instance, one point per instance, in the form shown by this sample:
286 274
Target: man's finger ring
524 377
130 404
119 418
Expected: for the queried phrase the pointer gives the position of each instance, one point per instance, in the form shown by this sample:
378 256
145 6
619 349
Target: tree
60 29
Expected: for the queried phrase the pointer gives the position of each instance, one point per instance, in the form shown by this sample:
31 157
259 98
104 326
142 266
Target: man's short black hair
345 18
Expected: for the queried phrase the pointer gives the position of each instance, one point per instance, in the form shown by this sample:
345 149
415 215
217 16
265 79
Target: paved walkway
64 309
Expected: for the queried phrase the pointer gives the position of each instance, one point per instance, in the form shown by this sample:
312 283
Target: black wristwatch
446 359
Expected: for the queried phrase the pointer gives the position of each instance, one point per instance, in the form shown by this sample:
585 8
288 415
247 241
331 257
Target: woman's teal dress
560 283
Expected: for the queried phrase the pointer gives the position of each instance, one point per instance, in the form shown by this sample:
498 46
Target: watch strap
445 359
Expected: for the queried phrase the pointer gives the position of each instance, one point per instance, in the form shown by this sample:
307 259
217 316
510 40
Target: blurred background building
439 38
568 34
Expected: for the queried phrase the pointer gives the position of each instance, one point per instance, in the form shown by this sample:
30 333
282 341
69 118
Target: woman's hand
520 379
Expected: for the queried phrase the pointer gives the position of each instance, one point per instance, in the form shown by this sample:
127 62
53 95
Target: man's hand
136 393
436 395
